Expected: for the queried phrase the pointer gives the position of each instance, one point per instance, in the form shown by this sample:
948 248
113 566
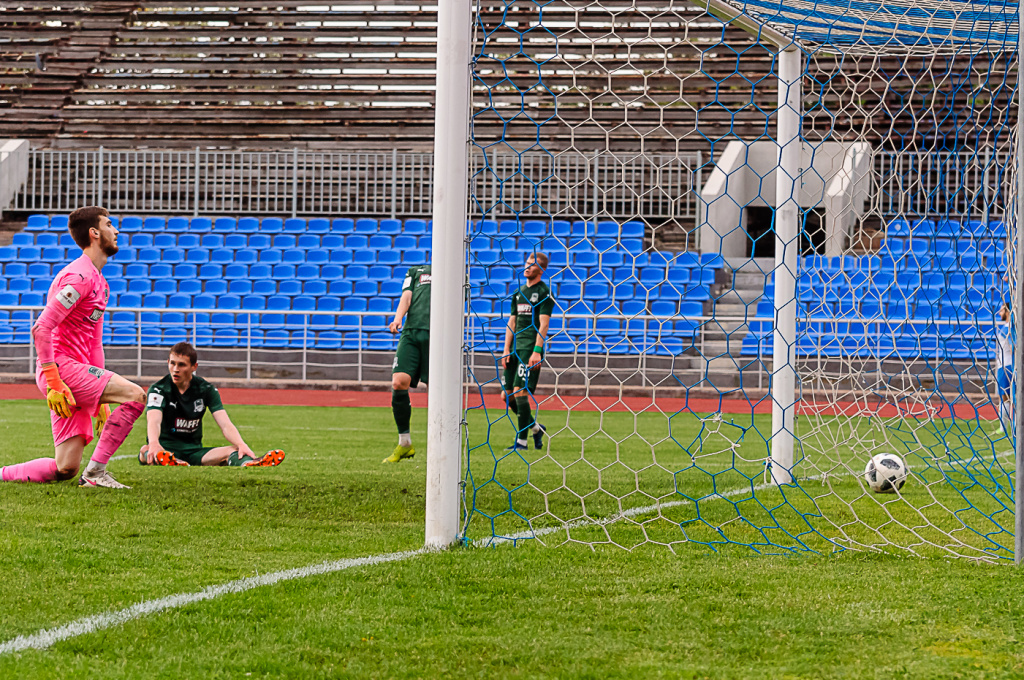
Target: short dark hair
82 220
184 349
541 259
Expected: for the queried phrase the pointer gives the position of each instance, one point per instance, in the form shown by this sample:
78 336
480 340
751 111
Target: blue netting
642 160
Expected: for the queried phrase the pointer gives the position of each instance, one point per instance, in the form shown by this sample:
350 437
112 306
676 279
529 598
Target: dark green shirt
529 303
183 413
418 281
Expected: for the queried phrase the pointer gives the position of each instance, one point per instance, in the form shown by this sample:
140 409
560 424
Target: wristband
538 349
52 376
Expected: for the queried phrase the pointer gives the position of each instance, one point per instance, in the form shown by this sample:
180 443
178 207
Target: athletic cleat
269 459
167 458
400 453
516 446
538 437
101 478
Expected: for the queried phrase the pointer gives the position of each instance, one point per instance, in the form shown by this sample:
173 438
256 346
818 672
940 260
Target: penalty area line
91 624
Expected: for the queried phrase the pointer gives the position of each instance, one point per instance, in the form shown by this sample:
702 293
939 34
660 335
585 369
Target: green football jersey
529 303
418 281
183 413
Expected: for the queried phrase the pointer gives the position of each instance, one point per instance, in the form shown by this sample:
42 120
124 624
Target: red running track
356 399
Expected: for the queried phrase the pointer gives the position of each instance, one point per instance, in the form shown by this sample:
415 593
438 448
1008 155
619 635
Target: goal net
779 239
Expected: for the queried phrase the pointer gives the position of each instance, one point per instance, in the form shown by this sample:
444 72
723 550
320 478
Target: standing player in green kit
527 330
412 359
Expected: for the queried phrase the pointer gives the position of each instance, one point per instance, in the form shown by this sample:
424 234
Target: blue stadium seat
190 286
379 242
342 225
254 302
414 257
264 286
215 287
290 287
331 242
329 340
38 222
229 302
318 225
128 225
294 225
186 271
390 227
197 256
283 271
240 287
224 225
234 241
307 272
314 287
356 242
366 226
284 241
340 287
293 256
272 225
53 255
415 227
268 256
364 257
211 271
210 241
308 241
154 223
200 225
246 225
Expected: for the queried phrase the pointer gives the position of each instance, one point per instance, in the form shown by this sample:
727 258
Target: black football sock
401 406
525 417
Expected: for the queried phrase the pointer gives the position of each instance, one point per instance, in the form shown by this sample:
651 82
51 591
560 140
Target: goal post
448 263
780 239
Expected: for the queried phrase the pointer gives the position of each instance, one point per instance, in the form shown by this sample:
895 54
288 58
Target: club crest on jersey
199 405
533 298
68 296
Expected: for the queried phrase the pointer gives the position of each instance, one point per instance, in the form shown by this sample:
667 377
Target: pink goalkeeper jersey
74 315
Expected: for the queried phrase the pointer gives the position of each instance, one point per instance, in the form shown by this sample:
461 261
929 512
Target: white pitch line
90 624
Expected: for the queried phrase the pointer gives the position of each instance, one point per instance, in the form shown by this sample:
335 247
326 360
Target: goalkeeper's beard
109 247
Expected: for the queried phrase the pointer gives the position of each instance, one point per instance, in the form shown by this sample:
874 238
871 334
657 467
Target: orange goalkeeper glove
101 418
58 394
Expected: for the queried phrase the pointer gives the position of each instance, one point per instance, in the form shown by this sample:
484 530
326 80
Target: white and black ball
885 473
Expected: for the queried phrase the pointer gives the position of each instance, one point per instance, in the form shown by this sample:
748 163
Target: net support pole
1017 318
787 244
448 267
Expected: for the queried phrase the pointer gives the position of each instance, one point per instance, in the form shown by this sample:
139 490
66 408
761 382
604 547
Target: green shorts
190 453
515 374
413 355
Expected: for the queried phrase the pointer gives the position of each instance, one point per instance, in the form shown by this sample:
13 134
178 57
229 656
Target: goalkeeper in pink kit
69 344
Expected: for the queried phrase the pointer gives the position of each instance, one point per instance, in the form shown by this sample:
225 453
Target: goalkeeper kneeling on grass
175 407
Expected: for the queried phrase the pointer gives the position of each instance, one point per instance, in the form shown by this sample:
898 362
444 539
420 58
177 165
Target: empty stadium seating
932 291
247 282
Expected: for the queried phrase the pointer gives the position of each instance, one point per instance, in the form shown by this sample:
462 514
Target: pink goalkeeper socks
40 470
117 429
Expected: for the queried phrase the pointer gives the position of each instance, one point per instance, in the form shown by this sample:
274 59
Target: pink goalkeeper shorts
87 384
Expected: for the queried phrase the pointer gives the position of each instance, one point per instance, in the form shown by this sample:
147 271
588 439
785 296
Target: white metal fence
298 182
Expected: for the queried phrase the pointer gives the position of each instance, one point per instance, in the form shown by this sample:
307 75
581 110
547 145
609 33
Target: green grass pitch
525 611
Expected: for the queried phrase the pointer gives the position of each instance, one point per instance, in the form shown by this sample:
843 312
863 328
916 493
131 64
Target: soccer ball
885 473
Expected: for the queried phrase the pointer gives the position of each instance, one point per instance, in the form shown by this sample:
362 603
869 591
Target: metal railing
969 184
299 182
655 354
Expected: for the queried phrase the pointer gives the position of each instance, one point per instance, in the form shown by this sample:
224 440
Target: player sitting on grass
174 420
527 329
69 369
412 358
